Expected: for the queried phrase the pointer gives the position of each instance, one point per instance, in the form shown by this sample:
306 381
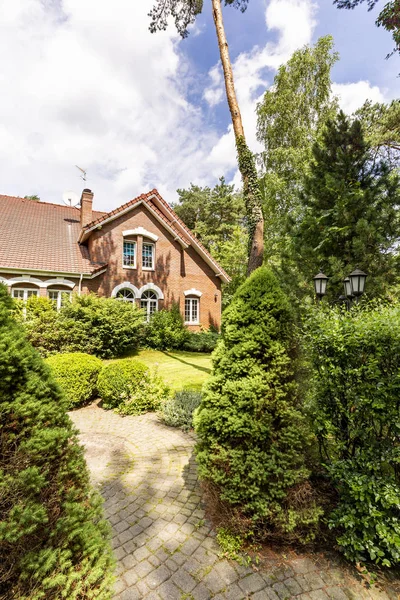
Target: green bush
178 411
356 408
202 341
53 538
252 433
76 374
166 330
105 327
129 387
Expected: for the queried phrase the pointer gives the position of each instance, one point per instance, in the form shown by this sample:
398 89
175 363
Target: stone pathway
165 550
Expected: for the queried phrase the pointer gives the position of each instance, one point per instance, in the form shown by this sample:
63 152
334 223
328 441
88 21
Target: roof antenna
83 176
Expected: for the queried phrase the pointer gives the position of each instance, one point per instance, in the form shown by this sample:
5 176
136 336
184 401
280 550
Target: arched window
149 303
126 295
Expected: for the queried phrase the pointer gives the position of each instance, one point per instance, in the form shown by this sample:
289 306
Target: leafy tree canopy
34 197
350 211
381 123
291 117
388 18
217 217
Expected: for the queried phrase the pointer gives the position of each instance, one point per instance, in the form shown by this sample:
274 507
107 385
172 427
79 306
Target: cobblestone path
164 549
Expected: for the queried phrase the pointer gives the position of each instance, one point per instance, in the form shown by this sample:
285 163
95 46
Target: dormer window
148 252
129 255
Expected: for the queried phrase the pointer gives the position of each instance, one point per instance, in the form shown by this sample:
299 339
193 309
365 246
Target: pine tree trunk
247 167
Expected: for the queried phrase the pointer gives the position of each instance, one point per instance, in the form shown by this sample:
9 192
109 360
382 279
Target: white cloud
294 21
353 95
85 83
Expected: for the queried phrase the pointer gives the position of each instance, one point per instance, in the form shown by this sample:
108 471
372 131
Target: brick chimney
86 207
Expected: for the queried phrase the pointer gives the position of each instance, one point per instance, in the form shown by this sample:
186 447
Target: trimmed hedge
355 401
130 388
76 373
53 537
202 341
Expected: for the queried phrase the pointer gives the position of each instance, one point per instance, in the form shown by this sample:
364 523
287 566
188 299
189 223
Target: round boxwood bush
118 380
76 373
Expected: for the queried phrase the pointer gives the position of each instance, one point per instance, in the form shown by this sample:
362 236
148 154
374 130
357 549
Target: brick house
140 252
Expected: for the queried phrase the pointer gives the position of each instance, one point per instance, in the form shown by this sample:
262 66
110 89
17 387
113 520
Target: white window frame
59 296
25 290
193 300
125 299
134 242
152 268
148 304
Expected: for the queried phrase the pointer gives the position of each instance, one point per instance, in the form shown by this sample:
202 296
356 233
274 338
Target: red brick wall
176 269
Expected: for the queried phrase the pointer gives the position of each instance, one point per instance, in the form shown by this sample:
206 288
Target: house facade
140 252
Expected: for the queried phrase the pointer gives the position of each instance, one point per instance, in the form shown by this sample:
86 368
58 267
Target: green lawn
178 369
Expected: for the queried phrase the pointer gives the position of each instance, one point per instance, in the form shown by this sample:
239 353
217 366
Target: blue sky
84 82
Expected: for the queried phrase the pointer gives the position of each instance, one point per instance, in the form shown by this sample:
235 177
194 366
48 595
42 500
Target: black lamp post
354 286
320 282
357 280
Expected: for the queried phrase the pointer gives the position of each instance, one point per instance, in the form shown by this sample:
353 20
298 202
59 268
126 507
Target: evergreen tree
252 435
53 538
350 216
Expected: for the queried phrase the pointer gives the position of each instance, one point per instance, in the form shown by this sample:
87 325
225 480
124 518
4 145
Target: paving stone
281 591
184 581
226 572
143 568
213 582
130 577
169 591
266 594
335 593
252 583
293 586
157 577
200 592
319 595
130 594
233 592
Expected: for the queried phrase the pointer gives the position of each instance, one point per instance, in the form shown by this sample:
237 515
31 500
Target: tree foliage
381 124
252 434
388 18
184 13
356 404
291 117
350 213
53 539
217 216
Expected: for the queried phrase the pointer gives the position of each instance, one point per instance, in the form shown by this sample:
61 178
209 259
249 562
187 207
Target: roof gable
167 217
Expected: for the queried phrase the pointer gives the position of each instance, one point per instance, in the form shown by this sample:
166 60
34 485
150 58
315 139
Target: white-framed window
148 253
149 303
129 255
23 293
192 310
60 297
126 295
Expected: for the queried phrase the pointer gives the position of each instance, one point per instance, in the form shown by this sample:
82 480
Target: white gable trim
154 288
5 281
125 285
59 281
26 279
141 231
193 292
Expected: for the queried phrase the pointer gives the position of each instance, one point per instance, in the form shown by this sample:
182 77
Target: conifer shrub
76 373
53 538
356 412
166 330
252 434
201 341
129 387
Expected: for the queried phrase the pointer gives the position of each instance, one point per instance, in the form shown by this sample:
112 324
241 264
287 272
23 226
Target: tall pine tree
350 211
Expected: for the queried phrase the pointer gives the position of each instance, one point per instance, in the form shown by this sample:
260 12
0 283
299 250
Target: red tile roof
42 236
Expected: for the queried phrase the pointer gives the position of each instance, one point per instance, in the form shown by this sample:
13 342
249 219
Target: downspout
80 285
